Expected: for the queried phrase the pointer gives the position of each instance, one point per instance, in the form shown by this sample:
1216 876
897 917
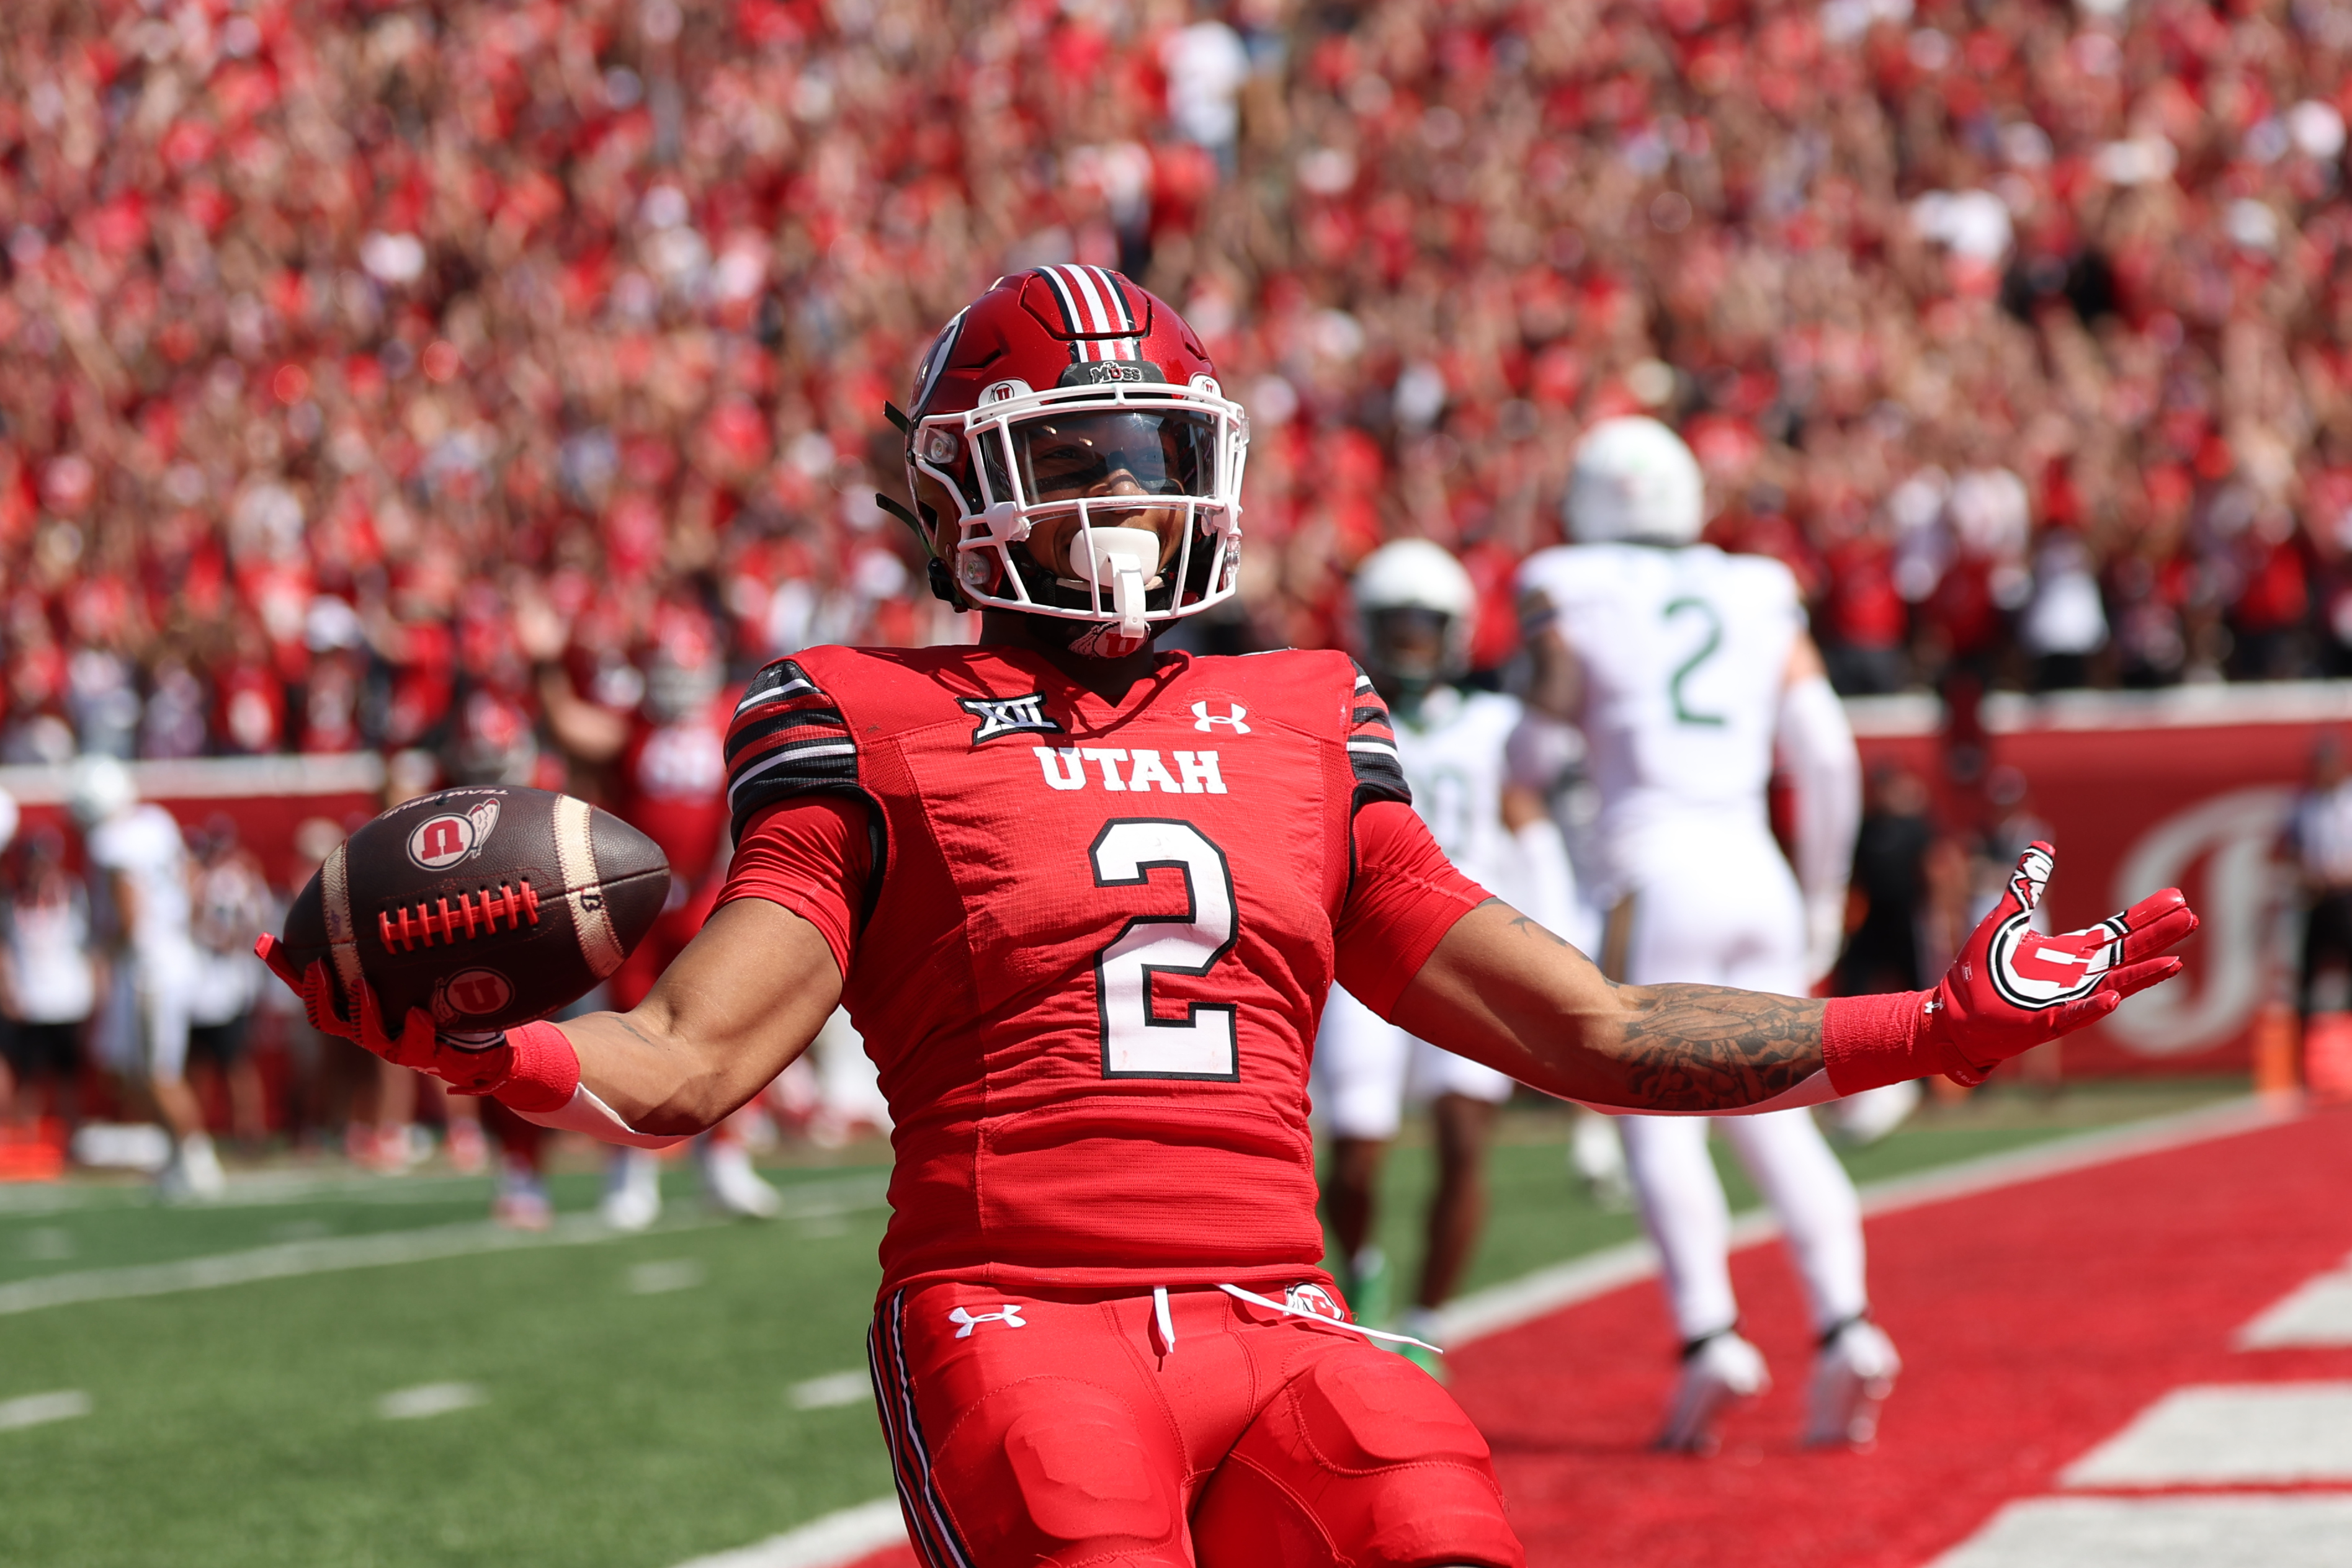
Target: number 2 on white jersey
1688 667
1135 1044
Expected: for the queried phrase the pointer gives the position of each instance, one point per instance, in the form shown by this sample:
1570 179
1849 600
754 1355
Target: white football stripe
576 856
343 940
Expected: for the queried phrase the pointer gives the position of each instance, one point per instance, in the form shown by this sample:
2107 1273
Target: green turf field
628 1402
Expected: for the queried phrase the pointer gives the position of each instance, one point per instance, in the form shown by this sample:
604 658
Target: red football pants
1056 1427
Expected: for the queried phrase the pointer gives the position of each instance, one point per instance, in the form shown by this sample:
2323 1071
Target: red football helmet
1075 425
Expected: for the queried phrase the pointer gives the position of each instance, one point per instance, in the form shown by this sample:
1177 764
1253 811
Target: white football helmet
98 790
1635 480
1410 581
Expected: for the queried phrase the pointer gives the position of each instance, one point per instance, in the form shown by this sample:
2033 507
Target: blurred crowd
330 333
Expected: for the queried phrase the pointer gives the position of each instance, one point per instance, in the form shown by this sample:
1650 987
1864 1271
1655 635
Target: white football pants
1366 1068
1721 908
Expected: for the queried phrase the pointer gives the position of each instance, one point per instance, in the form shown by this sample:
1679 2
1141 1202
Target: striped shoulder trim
788 738
1372 747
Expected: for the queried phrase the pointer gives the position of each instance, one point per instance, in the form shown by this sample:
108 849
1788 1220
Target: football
488 907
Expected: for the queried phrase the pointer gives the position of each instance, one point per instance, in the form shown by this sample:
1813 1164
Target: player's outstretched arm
745 997
1501 989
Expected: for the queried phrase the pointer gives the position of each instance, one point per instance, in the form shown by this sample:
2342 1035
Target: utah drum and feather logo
450 838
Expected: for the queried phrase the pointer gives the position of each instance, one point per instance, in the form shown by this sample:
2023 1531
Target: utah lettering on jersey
1008 715
1196 772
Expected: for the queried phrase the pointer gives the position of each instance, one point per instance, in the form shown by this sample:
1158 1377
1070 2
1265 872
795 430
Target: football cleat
1598 1157
469 1152
632 1198
1852 1375
193 1175
521 1201
1718 1371
732 1182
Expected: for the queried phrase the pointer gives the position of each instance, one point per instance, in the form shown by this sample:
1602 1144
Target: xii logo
1009 716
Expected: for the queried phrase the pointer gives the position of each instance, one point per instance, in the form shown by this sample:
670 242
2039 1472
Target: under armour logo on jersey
968 1321
1008 715
1203 718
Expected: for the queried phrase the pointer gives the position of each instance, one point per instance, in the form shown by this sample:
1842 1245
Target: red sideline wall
267 797
2144 789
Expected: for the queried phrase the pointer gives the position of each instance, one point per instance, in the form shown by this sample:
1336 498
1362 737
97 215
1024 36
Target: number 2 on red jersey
1135 1043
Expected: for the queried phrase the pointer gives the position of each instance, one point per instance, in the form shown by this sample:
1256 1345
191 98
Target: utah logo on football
472 993
450 839
1008 715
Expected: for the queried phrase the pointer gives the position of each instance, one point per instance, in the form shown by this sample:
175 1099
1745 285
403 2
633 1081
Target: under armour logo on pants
1010 1317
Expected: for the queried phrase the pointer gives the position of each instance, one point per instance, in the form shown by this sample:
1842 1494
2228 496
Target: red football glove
530 1067
2011 989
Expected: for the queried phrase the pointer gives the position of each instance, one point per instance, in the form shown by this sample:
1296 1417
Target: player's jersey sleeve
787 739
1405 896
1372 748
814 856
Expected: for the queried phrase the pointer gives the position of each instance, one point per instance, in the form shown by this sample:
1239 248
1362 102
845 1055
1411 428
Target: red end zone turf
2036 1321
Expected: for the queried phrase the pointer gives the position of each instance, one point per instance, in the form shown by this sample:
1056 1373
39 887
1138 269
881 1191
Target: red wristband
1870 1041
546 1070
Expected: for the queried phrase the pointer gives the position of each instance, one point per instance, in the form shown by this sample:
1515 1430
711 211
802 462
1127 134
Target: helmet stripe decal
1062 295
1085 287
1121 305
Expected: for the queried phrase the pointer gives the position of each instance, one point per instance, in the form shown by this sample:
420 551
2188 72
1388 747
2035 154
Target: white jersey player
1416 603
1685 669
139 851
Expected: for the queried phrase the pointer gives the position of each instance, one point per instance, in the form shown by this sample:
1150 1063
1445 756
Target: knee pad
1361 1459
1050 1469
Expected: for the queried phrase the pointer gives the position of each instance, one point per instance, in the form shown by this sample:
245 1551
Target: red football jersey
1093 939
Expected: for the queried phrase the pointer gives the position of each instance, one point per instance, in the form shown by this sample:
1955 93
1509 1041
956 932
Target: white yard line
2224 1532
40 1410
429 1399
293 1259
2228 1435
1547 1291
828 1542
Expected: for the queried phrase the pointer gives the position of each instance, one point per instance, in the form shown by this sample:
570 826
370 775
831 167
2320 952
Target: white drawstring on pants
1160 1316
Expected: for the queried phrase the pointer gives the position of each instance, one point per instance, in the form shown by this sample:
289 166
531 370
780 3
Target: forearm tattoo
1707 1048
1704 1048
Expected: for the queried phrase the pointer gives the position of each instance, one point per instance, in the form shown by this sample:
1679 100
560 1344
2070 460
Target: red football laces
420 923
